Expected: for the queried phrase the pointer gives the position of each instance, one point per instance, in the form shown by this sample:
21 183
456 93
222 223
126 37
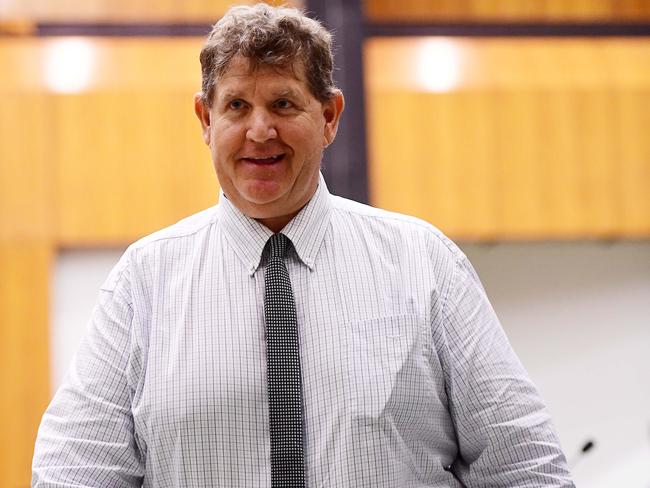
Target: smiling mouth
264 160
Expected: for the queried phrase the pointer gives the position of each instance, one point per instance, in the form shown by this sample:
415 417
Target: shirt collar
306 230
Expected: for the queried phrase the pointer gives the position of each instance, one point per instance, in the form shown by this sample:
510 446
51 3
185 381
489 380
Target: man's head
270 36
268 108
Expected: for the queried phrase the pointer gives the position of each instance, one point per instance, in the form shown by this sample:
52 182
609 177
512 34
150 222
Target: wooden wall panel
24 380
25 252
516 141
558 143
631 121
137 165
534 139
122 10
125 152
507 10
25 167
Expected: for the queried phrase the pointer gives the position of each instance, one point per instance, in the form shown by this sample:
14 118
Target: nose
261 126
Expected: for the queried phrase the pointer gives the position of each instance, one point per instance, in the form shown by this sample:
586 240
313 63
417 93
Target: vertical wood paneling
138 161
430 174
25 251
138 165
24 279
561 182
537 139
124 156
631 122
600 179
518 194
25 166
475 158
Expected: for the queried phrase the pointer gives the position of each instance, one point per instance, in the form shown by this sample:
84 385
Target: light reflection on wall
419 64
69 65
438 65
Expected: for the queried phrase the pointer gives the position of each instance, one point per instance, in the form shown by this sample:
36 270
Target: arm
86 437
505 435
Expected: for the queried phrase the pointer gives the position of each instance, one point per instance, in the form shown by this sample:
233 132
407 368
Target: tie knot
277 246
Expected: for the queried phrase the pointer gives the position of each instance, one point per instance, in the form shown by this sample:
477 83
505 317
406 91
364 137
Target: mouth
264 160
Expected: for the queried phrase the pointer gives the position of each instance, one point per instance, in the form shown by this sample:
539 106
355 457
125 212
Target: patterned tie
283 363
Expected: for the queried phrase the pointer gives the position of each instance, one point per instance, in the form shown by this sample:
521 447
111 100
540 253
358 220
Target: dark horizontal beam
370 29
626 29
123 29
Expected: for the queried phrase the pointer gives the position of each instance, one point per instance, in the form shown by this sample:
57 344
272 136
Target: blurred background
521 128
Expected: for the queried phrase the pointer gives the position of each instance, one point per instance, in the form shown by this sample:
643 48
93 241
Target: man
287 337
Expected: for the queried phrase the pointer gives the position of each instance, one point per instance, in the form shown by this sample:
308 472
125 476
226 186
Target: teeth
268 157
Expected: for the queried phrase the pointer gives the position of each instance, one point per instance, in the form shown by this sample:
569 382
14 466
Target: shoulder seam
407 219
144 241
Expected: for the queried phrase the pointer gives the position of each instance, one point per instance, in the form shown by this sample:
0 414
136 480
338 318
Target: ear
332 110
202 111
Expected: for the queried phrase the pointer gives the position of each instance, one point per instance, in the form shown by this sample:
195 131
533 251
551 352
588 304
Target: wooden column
26 251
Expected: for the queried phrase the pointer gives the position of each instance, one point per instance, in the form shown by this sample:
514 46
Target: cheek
223 142
308 137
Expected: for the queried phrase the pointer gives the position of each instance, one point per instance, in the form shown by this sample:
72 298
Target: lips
270 159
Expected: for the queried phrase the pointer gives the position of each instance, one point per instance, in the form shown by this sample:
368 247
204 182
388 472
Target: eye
283 103
236 104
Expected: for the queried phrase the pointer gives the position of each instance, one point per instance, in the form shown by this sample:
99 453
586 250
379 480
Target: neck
276 224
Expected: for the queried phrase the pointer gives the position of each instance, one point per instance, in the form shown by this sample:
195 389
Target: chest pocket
384 362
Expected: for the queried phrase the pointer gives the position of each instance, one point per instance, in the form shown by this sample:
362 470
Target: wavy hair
273 36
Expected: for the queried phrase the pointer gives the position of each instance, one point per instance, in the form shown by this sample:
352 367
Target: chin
262 192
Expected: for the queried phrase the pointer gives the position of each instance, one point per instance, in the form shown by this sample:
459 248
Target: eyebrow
229 94
285 92
288 92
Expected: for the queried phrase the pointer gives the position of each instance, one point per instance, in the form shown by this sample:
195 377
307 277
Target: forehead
242 71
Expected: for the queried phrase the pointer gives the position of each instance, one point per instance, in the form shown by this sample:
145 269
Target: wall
578 314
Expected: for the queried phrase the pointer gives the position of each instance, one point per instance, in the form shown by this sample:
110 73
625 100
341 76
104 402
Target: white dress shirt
405 367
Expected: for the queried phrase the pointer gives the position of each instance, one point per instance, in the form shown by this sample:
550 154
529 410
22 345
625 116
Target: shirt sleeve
86 437
504 431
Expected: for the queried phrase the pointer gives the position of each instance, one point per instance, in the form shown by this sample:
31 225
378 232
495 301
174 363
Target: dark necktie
283 363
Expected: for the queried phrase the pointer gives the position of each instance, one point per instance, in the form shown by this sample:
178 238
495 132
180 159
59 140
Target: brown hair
275 36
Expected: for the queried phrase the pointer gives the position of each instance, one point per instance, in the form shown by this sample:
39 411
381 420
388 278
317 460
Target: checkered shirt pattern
405 368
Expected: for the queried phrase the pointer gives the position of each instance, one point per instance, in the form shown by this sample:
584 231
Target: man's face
266 134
